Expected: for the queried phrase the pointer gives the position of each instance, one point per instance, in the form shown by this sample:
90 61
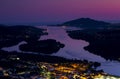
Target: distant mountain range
86 23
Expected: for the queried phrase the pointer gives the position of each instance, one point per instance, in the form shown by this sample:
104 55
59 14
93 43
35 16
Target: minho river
74 49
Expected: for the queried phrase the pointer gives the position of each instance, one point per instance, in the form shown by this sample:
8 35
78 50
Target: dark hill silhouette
105 42
86 22
12 35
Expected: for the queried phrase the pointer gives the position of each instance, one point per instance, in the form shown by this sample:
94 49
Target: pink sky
50 11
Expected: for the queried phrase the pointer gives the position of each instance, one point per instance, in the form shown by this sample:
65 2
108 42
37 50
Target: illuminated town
44 70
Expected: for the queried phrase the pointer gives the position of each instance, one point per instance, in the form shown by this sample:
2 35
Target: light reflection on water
74 49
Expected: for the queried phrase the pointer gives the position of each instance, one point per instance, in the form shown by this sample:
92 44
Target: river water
74 49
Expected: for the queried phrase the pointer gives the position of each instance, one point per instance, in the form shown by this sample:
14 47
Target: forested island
48 46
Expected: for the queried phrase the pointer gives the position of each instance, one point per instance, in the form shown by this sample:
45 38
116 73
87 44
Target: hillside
12 35
105 43
86 23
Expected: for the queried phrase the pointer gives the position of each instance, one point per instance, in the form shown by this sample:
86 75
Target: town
15 68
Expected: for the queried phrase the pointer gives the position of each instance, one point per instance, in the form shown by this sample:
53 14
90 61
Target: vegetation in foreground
19 65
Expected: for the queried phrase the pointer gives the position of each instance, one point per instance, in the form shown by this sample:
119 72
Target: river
74 49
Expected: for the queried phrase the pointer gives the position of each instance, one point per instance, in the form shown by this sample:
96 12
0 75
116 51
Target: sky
57 11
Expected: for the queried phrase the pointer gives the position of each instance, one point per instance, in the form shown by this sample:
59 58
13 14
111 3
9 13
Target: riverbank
103 42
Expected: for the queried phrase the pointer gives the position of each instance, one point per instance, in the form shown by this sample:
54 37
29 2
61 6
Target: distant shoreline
102 42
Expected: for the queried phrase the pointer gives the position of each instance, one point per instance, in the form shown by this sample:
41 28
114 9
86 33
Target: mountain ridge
85 22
